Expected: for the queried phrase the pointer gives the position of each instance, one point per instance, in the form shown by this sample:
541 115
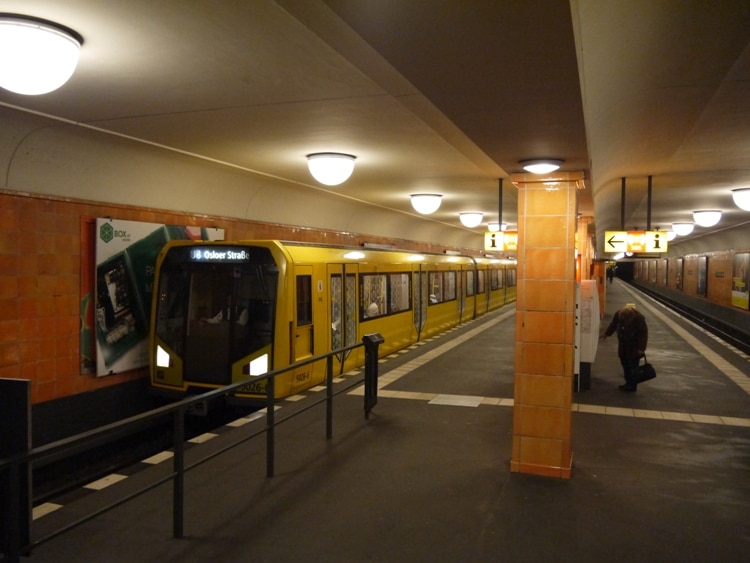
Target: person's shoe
627 388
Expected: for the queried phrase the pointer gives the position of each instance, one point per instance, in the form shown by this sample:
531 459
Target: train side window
470 287
511 277
384 294
442 287
449 286
494 280
436 287
400 293
343 311
373 291
304 300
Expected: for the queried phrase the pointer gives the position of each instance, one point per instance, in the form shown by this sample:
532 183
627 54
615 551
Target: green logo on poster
106 232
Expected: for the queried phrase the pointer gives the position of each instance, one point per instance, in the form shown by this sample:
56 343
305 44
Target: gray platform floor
658 475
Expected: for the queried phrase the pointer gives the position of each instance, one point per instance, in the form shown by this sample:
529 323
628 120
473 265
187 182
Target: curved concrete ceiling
444 98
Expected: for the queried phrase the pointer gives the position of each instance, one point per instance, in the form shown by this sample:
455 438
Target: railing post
15 493
178 485
12 539
329 397
371 342
270 426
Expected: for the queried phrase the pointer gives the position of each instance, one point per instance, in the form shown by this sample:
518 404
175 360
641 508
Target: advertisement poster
126 253
740 280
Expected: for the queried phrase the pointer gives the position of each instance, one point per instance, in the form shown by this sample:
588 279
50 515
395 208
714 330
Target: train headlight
259 365
162 357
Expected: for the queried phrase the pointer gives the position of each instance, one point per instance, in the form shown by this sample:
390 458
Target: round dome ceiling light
426 203
470 219
541 165
682 229
331 168
707 217
38 56
741 197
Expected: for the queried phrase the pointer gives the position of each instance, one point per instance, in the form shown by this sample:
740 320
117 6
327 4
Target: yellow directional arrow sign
635 241
615 241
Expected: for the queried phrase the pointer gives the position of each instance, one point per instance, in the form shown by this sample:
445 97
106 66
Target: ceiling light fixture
426 203
671 235
741 198
707 217
38 56
470 219
493 227
541 165
331 168
682 229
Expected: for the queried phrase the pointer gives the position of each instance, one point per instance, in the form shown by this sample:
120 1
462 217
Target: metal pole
329 397
648 206
15 478
178 487
500 203
13 513
622 205
270 427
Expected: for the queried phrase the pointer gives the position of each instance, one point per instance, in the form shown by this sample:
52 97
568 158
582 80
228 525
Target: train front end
212 318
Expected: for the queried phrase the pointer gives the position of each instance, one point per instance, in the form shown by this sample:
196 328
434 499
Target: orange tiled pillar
545 323
583 247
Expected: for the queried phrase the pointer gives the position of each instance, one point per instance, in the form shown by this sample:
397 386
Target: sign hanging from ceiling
637 242
501 241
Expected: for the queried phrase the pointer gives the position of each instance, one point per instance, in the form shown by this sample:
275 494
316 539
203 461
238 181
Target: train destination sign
635 241
219 254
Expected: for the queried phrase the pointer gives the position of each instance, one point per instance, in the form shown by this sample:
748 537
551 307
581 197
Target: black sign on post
372 342
15 488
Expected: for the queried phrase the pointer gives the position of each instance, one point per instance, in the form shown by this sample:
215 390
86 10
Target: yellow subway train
225 312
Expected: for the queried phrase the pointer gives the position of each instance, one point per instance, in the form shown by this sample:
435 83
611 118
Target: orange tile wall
43 266
719 275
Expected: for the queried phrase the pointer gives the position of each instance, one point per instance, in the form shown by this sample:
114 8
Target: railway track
57 478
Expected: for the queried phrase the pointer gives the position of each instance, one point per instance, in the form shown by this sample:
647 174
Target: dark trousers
630 370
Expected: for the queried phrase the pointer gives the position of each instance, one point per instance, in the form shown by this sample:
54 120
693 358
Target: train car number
257 388
300 378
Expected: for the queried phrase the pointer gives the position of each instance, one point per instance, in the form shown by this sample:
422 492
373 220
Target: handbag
645 371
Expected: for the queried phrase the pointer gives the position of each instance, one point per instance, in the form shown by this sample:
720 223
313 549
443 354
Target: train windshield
215 306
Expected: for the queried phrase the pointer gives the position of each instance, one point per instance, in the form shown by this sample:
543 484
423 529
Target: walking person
632 338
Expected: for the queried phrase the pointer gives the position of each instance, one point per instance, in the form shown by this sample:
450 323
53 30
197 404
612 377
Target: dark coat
632 333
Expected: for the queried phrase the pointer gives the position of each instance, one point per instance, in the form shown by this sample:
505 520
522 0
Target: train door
302 341
302 344
460 293
342 280
421 297
469 307
483 291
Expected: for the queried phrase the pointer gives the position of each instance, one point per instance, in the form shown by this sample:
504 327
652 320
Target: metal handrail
72 445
